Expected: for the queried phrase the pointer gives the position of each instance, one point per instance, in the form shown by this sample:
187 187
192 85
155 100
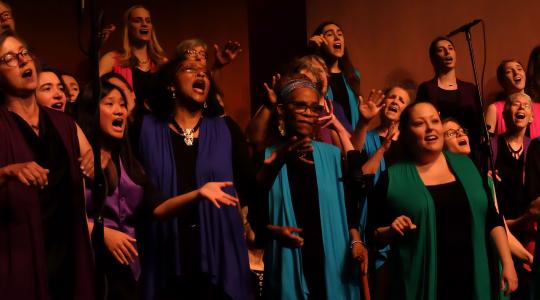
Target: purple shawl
23 273
223 249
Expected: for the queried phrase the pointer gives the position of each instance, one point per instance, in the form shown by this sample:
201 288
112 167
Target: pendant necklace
187 133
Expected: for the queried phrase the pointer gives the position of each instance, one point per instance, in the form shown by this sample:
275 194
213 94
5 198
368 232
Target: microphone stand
99 186
485 143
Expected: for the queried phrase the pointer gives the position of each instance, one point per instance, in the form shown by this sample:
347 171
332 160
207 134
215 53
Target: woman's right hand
402 224
317 41
270 90
214 193
121 245
286 234
371 107
28 173
294 148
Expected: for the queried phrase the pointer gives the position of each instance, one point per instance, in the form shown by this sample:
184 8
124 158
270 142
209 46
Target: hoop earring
204 104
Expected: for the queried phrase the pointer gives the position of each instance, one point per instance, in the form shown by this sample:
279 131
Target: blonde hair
156 53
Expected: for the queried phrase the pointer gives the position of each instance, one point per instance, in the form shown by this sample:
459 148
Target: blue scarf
284 266
223 249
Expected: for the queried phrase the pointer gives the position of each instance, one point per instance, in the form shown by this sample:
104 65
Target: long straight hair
344 63
156 53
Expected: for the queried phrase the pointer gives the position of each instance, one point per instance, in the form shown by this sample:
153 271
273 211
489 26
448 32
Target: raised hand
106 33
121 245
229 52
213 191
371 107
270 93
317 41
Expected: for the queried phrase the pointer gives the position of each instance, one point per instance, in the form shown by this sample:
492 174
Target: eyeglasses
196 54
456 132
14 59
194 70
302 108
519 105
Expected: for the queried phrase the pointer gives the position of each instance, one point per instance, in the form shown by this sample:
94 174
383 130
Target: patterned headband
294 85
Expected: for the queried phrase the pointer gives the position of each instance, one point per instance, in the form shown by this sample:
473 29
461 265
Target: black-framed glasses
302 108
456 132
13 59
196 54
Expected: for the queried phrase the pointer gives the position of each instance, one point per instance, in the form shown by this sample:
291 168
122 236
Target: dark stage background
387 39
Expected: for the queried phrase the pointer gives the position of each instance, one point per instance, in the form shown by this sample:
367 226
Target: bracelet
357 242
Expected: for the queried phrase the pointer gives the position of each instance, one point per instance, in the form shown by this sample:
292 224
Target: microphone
464 28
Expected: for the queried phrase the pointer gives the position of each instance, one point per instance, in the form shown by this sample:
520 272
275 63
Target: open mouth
27 73
118 123
199 86
144 31
338 46
520 116
462 142
393 108
430 138
448 59
58 106
517 79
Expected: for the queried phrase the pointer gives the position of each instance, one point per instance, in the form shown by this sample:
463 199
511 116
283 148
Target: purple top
119 211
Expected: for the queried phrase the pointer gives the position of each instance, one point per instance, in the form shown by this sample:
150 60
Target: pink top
534 127
124 71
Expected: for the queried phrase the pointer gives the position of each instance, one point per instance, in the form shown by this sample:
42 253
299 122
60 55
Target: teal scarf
284 265
414 257
353 101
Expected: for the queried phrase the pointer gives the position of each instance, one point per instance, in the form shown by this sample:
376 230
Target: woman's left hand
87 162
360 255
229 52
509 280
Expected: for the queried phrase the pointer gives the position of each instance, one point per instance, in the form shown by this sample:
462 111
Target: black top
143 84
188 219
49 152
448 104
532 171
340 94
454 241
510 190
